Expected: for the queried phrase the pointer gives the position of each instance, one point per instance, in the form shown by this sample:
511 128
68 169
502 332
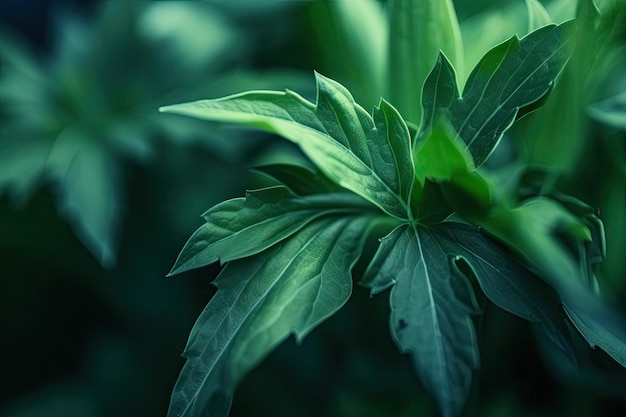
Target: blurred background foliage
98 193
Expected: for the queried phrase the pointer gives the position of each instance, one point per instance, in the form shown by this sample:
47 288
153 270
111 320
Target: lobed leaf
246 226
509 285
367 155
509 80
536 230
556 136
290 288
431 310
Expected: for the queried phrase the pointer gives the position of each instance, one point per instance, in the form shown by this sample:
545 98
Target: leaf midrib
373 173
435 316
503 103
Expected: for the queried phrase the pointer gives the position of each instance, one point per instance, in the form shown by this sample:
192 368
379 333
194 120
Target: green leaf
471 195
509 285
611 111
351 44
22 166
290 288
440 154
555 136
509 79
246 226
491 27
369 155
431 308
89 182
432 207
70 120
537 15
534 230
441 157
601 327
419 30
538 231
300 179
590 251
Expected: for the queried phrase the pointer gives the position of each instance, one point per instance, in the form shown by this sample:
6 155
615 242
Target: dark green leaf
22 167
368 155
511 76
246 226
556 136
508 284
536 231
601 327
289 288
431 308
88 180
432 207
299 179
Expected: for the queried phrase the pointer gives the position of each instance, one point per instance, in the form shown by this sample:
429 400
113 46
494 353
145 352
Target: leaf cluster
449 234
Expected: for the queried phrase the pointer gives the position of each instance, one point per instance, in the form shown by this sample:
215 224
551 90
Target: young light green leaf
419 30
509 79
290 288
441 157
534 230
246 226
367 155
537 15
440 154
431 310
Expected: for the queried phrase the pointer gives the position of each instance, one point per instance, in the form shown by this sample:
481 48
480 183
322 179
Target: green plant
449 230
79 120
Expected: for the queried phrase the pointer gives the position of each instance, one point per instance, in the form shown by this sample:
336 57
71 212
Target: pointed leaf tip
513 76
337 135
430 312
